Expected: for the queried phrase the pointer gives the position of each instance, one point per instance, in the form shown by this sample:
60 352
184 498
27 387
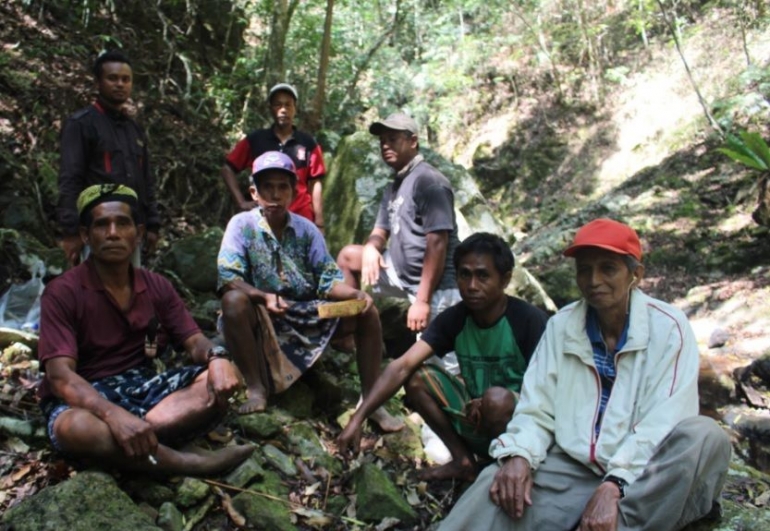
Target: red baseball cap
607 234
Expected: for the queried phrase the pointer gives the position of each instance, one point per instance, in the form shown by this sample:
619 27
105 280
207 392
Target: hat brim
290 173
573 249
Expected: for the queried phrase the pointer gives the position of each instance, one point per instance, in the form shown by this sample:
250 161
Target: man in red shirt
103 400
282 136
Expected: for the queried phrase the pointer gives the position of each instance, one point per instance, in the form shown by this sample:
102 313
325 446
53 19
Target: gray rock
191 491
149 491
194 259
279 460
297 400
378 497
247 472
262 513
260 425
304 441
718 338
406 443
87 502
169 517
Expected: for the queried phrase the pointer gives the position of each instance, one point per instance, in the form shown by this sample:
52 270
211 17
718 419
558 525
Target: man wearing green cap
101 324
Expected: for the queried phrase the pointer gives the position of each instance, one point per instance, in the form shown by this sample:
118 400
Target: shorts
136 390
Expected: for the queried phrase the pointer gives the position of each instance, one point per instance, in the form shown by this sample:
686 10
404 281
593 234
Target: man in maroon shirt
284 137
103 400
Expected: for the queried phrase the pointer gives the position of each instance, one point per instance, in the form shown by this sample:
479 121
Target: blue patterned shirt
604 360
299 267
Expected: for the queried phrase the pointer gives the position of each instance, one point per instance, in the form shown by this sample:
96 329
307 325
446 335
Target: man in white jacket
606 435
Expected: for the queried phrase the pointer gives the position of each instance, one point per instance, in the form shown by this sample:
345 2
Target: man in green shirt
494 336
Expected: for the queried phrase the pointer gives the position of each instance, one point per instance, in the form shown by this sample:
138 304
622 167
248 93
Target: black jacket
102 146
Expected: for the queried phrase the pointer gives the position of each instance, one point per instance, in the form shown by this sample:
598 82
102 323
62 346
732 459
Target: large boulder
194 260
90 500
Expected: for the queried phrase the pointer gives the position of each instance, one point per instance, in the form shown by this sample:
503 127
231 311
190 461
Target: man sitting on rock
493 335
274 271
103 401
417 216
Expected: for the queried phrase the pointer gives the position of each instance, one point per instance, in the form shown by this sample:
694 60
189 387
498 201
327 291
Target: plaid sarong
453 397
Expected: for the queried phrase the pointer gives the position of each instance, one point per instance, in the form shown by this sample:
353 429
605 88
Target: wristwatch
216 352
620 482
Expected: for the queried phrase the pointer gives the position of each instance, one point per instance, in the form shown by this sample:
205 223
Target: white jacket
656 387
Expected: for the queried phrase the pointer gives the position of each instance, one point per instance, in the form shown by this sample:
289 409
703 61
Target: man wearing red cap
606 435
282 136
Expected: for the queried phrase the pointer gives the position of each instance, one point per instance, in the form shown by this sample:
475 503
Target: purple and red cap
273 161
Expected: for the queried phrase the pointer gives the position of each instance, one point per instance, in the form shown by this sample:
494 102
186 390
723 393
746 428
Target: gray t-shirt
413 205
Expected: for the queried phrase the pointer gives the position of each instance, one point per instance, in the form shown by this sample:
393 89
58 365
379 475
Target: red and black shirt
303 150
103 146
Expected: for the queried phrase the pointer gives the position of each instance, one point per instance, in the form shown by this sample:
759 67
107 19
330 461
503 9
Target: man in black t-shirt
494 337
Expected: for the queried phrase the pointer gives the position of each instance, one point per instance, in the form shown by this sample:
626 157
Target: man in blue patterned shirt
274 270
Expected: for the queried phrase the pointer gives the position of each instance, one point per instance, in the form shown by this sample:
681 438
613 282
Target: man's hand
371 263
601 512
418 315
364 296
72 246
473 411
246 205
152 241
134 435
275 304
222 381
512 487
350 436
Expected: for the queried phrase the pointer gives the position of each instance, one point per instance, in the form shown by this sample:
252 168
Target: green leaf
748 160
758 145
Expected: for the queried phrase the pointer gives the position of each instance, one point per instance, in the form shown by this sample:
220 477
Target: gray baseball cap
282 87
397 122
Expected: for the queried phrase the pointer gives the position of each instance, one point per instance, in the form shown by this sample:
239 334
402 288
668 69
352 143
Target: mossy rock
262 513
87 502
378 497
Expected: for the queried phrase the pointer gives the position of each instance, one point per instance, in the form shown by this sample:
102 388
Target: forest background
561 111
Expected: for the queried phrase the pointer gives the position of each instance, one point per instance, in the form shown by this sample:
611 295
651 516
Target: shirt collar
595 333
89 278
403 172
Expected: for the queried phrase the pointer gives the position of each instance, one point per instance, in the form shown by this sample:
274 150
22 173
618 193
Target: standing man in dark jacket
103 144
282 136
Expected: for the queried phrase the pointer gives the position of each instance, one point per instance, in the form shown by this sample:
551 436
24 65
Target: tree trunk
275 71
315 118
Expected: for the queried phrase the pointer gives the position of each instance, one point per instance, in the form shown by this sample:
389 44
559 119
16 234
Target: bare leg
187 411
367 331
349 261
81 433
497 405
463 465
241 329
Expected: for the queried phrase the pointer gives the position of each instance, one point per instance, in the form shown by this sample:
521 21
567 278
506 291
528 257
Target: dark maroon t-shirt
80 319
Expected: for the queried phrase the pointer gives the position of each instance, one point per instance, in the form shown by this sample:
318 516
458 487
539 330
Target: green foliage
749 149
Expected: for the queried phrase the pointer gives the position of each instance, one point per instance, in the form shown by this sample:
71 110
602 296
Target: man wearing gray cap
282 136
417 216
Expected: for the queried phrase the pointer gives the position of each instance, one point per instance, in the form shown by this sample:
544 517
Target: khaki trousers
682 480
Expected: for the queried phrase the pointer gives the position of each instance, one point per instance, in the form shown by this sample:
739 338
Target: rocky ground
640 158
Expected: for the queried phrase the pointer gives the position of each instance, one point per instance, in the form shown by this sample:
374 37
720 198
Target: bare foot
387 422
464 470
253 405
210 463
256 403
